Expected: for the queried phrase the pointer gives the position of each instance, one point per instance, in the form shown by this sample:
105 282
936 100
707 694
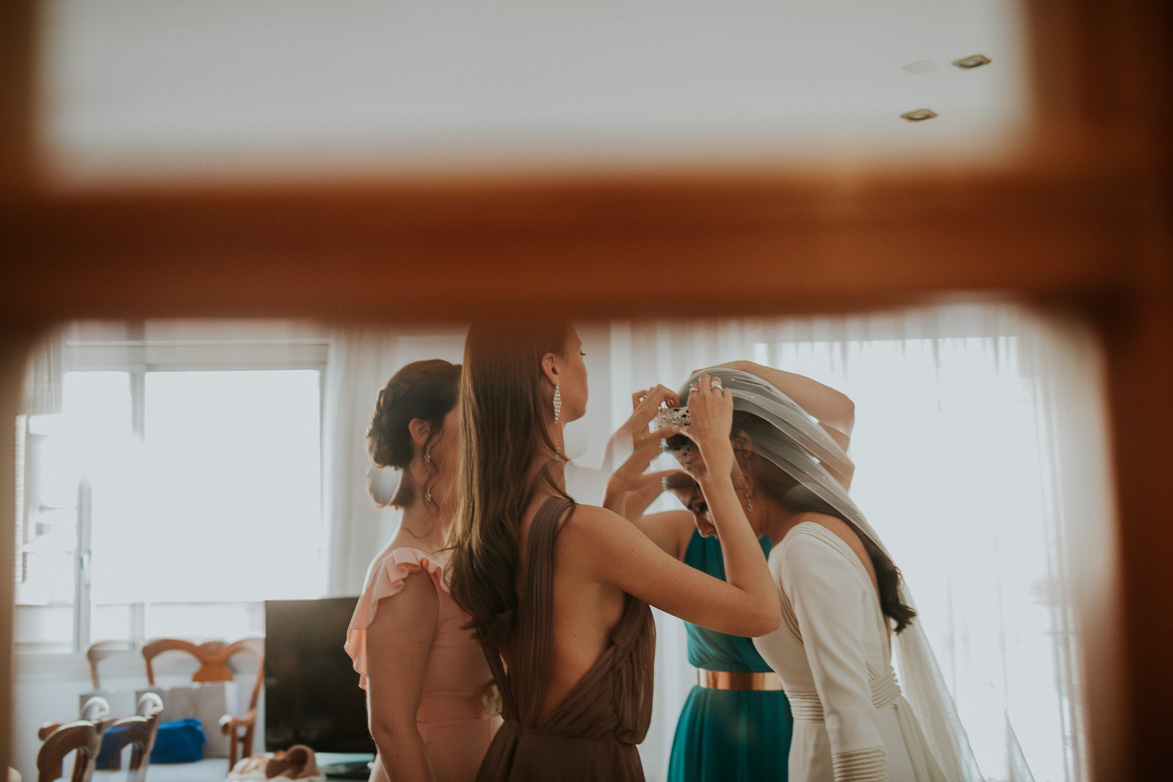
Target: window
174 493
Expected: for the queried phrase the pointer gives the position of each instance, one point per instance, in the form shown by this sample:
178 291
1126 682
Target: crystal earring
557 402
428 492
749 503
428 456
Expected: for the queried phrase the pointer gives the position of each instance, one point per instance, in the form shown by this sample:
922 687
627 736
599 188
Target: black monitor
312 695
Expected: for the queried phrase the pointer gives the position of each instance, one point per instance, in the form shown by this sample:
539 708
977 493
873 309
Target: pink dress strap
385 579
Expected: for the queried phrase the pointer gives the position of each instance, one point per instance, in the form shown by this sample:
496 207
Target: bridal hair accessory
795 443
671 416
557 402
383 483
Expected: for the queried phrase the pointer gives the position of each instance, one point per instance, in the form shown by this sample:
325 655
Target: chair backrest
95 709
137 732
213 657
83 738
100 650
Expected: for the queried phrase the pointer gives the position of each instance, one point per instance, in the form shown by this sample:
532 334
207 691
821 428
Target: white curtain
979 451
44 375
360 363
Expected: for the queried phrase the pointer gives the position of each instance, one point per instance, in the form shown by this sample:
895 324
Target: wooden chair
82 737
138 732
213 657
95 709
100 650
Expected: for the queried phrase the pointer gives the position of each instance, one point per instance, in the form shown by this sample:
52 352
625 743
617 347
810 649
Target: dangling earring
428 456
749 503
428 492
557 402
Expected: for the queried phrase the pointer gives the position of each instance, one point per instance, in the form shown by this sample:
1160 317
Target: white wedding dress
851 721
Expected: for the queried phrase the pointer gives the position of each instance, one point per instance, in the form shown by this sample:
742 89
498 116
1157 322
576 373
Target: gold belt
738 680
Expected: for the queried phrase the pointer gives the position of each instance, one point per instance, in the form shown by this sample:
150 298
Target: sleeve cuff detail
861 765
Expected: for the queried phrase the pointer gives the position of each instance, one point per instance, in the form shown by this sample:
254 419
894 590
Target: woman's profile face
694 502
572 379
444 449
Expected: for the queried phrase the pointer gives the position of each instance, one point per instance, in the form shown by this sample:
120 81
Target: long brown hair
781 487
505 431
785 490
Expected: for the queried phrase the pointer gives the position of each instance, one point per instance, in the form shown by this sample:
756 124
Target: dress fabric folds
593 732
851 722
728 735
454 717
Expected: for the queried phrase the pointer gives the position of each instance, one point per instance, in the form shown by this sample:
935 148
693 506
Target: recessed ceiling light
920 115
973 61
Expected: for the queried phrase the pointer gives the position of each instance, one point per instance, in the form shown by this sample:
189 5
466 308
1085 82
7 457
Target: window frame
90 348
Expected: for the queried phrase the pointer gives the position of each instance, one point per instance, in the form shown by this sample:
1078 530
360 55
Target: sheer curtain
979 451
978 445
360 363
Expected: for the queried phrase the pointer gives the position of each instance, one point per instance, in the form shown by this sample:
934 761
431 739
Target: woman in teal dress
736 724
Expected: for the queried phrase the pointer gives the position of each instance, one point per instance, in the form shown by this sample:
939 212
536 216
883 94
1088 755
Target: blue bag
179 741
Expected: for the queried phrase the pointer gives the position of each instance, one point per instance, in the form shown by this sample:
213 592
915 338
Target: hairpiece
671 416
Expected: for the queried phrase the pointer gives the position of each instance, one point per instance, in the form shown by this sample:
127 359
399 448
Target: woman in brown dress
558 592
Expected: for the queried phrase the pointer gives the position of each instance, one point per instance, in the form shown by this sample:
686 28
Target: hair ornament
671 416
383 483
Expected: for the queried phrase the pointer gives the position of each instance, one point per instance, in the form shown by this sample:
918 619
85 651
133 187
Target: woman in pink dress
429 690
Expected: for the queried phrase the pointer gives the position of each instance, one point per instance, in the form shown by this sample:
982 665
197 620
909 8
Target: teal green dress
728 735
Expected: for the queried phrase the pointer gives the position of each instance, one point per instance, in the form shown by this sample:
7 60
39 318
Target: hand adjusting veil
800 447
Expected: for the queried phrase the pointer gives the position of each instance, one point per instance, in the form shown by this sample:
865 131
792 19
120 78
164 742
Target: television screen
312 695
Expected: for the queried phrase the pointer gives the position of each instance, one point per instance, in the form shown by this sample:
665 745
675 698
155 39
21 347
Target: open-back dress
593 732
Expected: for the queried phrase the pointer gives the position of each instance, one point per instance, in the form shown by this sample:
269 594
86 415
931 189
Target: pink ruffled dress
457 715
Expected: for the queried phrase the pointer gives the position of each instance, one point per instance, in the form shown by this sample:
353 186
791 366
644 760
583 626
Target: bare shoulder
589 520
593 530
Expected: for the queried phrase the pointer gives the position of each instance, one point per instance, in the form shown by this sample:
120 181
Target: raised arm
629 453
834 411
746 603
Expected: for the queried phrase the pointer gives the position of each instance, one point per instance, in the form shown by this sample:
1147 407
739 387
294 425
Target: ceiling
156 90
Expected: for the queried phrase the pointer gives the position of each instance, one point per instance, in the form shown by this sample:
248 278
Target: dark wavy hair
426 390
782 488
505 432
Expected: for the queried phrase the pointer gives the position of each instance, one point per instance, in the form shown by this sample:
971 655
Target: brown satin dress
593 732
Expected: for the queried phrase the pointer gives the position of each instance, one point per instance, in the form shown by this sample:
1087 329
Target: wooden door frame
1080 225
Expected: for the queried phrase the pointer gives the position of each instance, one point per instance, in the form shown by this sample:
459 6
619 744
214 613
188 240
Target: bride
843 605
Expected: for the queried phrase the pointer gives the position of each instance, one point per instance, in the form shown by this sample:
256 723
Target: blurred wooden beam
593 247
1082 222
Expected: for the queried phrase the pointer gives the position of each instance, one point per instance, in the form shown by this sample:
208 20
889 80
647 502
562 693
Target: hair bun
424 390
